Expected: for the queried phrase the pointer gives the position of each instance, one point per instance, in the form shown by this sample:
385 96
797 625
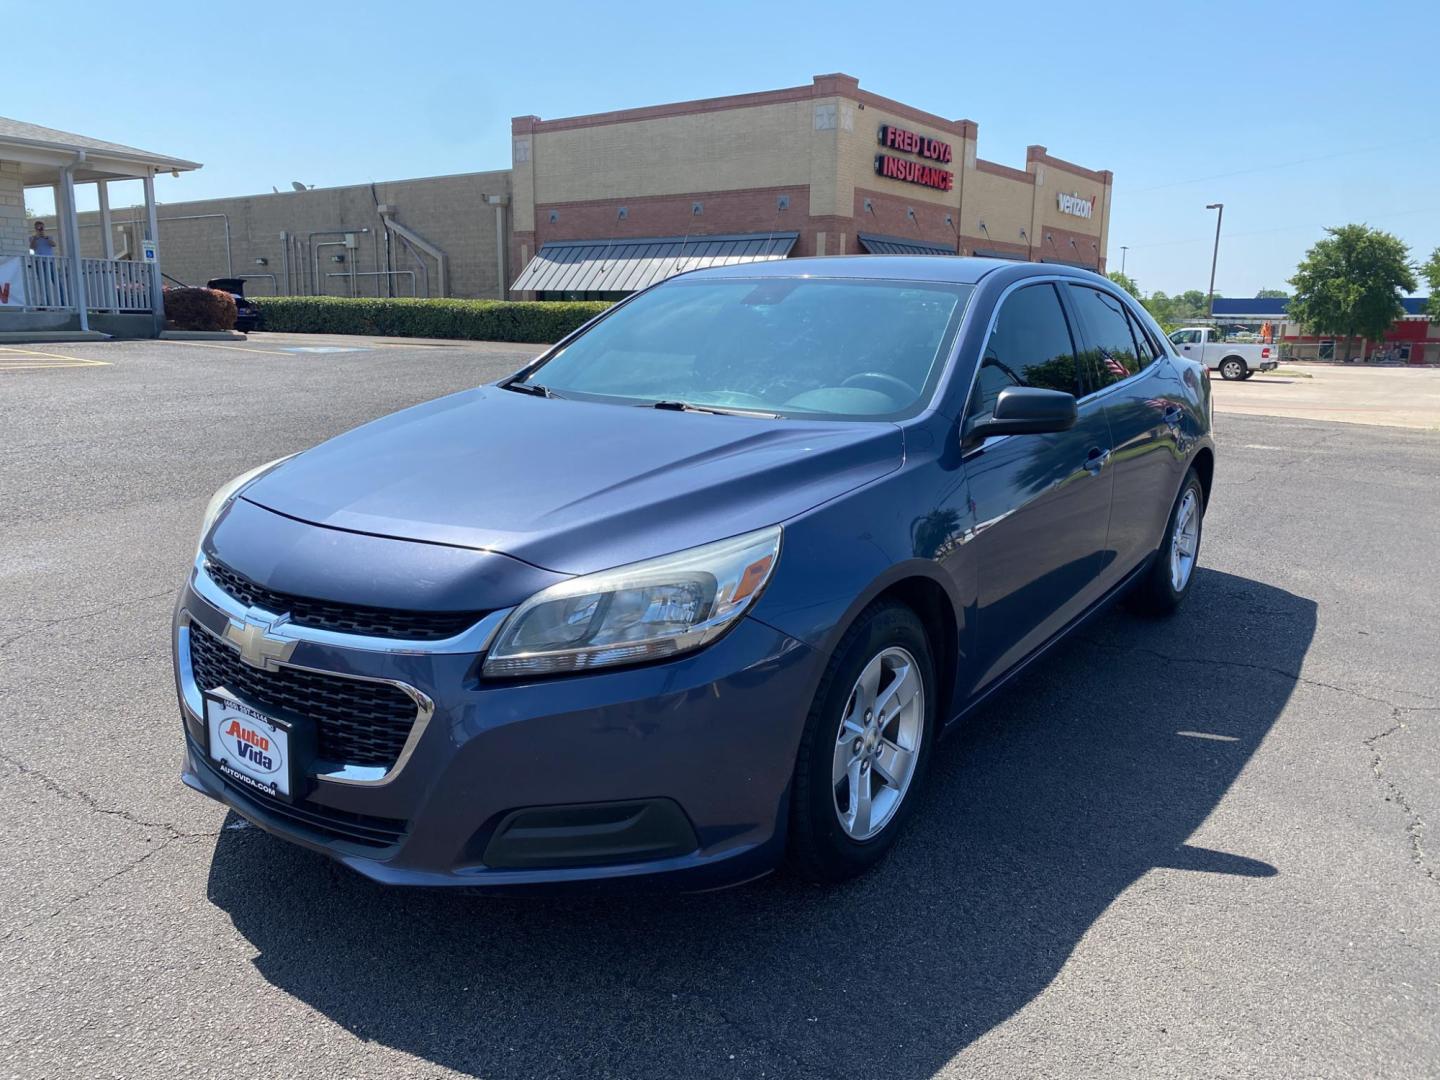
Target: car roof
958 270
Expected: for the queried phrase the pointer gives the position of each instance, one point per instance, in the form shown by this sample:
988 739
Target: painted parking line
35 359
212 345
326 348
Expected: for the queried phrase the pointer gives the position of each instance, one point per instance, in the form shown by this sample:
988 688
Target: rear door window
1110 352
1146 347
1030 345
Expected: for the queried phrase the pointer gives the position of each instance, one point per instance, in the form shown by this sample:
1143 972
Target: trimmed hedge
535 321
199 309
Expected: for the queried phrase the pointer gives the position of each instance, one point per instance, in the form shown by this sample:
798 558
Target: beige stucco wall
1050 182
1003 203
764 146
449 211
13 238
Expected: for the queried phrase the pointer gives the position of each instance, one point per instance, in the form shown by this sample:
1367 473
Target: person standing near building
40 244
47 276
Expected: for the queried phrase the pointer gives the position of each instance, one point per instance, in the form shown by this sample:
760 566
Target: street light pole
1215 256
1123 249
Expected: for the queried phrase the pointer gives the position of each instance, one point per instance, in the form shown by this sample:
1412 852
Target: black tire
1155 593
1233 368
820 849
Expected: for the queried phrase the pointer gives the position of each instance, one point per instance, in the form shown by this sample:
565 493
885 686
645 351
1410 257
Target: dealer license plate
248 747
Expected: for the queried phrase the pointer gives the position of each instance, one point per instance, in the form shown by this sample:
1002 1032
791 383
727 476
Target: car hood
572 486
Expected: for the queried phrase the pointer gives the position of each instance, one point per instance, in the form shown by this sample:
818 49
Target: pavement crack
41 625
95 888
1414 824
1294 676
74 794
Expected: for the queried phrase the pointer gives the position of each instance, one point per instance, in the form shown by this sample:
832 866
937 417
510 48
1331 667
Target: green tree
1350 284
1271 294
1125 282
1431 271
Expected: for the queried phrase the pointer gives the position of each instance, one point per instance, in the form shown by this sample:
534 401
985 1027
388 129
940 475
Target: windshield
837 348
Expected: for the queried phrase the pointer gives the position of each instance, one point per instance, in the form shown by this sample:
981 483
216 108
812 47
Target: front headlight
222 498
644 611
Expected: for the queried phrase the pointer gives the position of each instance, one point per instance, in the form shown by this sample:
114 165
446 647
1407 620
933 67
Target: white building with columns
121 291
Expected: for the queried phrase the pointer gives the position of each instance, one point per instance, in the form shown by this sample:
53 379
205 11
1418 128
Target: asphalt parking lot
1198 847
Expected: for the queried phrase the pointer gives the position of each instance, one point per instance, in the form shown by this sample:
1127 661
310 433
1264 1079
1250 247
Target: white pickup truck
1233 359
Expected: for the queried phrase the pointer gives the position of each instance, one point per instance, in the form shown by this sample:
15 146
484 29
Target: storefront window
1326 350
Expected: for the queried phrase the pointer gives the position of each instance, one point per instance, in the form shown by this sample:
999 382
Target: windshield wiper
534 389
718 410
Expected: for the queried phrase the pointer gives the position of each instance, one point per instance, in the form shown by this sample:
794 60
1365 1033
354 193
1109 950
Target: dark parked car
247 315
701 586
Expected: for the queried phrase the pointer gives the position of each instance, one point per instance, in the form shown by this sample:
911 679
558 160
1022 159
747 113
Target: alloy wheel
1184 540
878 744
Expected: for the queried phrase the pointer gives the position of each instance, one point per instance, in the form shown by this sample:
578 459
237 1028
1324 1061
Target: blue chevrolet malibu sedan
699 589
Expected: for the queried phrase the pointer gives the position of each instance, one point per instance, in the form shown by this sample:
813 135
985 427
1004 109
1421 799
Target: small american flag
1119 370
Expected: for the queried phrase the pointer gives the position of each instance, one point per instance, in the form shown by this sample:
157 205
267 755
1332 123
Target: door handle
1095 461
1172 414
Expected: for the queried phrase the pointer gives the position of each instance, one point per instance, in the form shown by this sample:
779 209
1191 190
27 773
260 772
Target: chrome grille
358 722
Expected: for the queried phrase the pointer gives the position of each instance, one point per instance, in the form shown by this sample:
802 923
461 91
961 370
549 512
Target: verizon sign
1077 206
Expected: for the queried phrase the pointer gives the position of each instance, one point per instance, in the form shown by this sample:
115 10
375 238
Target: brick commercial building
601 205
605 203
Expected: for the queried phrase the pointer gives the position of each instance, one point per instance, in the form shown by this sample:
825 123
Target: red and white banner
12 282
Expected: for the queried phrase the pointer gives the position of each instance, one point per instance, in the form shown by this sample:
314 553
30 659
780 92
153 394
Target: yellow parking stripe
28 360
232 348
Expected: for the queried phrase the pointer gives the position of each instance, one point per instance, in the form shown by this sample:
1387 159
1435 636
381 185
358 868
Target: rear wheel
1232 368
867 741
1165 585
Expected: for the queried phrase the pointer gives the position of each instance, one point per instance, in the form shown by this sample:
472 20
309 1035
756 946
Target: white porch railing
119 285
47 282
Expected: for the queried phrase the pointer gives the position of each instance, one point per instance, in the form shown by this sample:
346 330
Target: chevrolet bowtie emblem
259 645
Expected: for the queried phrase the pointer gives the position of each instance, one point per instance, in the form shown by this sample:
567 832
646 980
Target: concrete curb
54 337
202 335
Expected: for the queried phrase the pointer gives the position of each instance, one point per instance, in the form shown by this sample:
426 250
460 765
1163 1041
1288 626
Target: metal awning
992 253
901 245
631 265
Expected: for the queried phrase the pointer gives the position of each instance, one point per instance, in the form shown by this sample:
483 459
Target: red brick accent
981 165
1038 153
678 108
964 129
833 85
1059 247
742 211
889 218
970 243
523 125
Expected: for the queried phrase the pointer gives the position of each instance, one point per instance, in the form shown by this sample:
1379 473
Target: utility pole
1215 256
1123 249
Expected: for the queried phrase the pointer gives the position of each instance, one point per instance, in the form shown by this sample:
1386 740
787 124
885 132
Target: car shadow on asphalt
1051 802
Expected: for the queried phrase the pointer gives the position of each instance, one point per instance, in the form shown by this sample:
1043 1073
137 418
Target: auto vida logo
249 743
1074 204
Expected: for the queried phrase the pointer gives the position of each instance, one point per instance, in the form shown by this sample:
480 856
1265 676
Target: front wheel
1232 368
1165 585
867 741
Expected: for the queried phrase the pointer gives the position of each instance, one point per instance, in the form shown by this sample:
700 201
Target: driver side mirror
1026 410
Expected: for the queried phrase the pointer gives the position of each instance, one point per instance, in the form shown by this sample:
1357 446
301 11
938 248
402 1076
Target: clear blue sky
1294 115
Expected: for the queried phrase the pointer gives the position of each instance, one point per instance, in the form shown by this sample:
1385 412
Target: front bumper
713 734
